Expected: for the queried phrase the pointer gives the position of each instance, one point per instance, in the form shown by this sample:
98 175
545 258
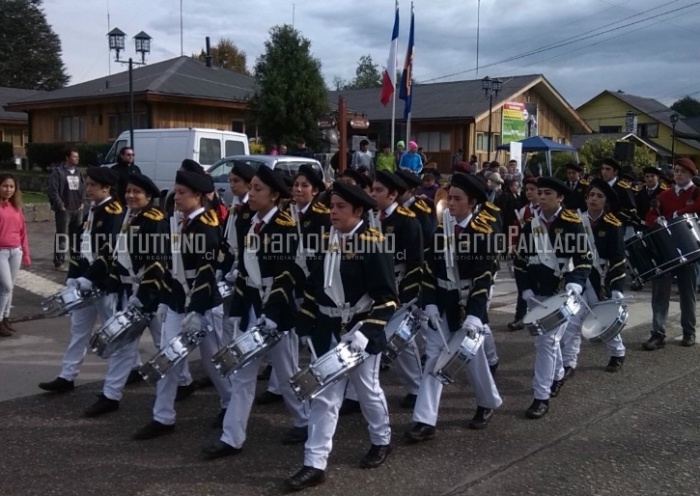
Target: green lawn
32 197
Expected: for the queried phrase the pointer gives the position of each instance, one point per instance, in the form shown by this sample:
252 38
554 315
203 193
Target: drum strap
400 272
448 226
301 256
230 232
178 266
596 262
332 281
86 238
545 251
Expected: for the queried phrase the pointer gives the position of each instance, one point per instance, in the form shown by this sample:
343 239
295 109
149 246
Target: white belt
535 260
399 271
265 282
190 274
462 285
346 312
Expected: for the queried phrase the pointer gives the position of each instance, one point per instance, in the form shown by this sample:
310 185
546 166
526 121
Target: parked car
288 165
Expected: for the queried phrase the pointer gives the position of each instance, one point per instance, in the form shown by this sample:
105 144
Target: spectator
423 156
362 157
430 184
66 193
273 150
283 149
14 249
400 150
385 160
411 160
125 166
473 164
301 150
456 158
513 173
494 184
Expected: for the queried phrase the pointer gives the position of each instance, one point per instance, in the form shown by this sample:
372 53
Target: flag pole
410 85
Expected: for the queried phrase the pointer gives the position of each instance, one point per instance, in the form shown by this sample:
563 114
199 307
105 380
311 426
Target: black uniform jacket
402 231
366 267
314 224
576 198
567 237
644 197
424 208
609 239
240 215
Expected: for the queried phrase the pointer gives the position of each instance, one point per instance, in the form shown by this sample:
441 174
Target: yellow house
617 112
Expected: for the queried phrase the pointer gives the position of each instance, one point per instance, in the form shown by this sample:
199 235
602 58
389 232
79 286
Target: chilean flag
389 76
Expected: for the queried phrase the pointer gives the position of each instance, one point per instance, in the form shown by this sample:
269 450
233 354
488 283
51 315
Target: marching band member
424 208
682 198
626 207
401 224
548 254
646 195
194 293
605 234
355 283
264 287
137 270
237 220
99 225
523 216
459 275
576 199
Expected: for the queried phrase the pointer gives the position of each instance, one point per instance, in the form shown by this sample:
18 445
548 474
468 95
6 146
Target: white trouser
10 261
323 418
477 372
273 385
212 343
571 341
284 357
548 361
489 343
155 327
166 387
82 321
119 366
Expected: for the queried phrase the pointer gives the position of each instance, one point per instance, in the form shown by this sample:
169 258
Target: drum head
601 317
539 312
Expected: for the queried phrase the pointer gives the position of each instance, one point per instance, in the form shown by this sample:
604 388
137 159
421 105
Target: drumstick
312 349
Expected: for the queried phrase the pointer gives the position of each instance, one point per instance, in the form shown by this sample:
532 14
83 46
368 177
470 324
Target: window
445 141
234 148
496 141
481 142
433 141
209 150
69 128
120 122
610 129
648 130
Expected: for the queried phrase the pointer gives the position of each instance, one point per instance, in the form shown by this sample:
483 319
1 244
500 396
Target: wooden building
14 126
446 117
180 92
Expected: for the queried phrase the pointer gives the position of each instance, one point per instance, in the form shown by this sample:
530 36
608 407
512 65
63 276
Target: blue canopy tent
539 144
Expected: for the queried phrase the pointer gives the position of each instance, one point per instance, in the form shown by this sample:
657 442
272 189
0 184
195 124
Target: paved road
632 433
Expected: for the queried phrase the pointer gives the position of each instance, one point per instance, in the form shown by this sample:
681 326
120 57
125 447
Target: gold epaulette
113 207
210 218
372 234
485 216
404 211
480 226
636 188
570 216
319 208
583 182
663 186
624 184
284 219
421 205
611 219
492 206
154 214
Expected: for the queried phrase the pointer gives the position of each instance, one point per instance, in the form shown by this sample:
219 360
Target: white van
159 152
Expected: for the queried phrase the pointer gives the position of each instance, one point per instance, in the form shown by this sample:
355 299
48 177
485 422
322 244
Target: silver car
287 164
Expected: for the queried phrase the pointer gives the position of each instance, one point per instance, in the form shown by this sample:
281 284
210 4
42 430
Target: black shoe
306 477
101 406
203 382
58 385
656 341
219 450
408 401
134 378
420 432
555 388
218 422
516 325
184 391
569 372
349 407
615 364
268 397
375 456
481 418
295 435
265 373
688 341
493 368
153 429
538 409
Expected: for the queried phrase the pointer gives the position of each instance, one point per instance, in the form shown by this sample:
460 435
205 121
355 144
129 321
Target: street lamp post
142 45
674 121
491 88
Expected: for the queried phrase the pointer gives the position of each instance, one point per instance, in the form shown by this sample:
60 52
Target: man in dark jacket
125 166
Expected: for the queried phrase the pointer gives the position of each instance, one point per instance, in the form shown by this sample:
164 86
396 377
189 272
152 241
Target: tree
596 149
290 94
687 106
339 83
367 75
226 55
30 52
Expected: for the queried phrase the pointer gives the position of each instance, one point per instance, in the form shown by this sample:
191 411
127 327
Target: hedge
6 151
46 154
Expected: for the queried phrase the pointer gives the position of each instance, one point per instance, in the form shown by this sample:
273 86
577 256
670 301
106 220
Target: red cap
687 164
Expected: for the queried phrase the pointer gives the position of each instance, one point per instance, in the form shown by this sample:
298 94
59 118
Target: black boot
218 450
306 477
656 341
101 406
58 385
420 432
615 364
153 429
538 409
481 418
555 388
375 456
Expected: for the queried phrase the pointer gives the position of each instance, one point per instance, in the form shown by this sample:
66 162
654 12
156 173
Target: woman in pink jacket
14 249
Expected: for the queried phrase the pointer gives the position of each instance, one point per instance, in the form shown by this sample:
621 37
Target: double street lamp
142 44
491 88
674 121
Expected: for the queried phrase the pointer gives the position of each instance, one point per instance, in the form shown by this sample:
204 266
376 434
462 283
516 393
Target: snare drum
245 348
326 370
122 329
226 289
604 322
664 248
405 333
173 353
549 314
68 299
461 349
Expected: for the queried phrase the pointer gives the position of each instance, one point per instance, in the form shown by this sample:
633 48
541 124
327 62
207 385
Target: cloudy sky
643 47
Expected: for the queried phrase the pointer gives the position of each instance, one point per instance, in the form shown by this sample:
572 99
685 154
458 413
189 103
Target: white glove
193 321
528 295
135 302
357 341
661 220
232 276
574 288
71 283
162 312
675 214
472 322
433 315
305 341
84 284
269 323
218 275
617 295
